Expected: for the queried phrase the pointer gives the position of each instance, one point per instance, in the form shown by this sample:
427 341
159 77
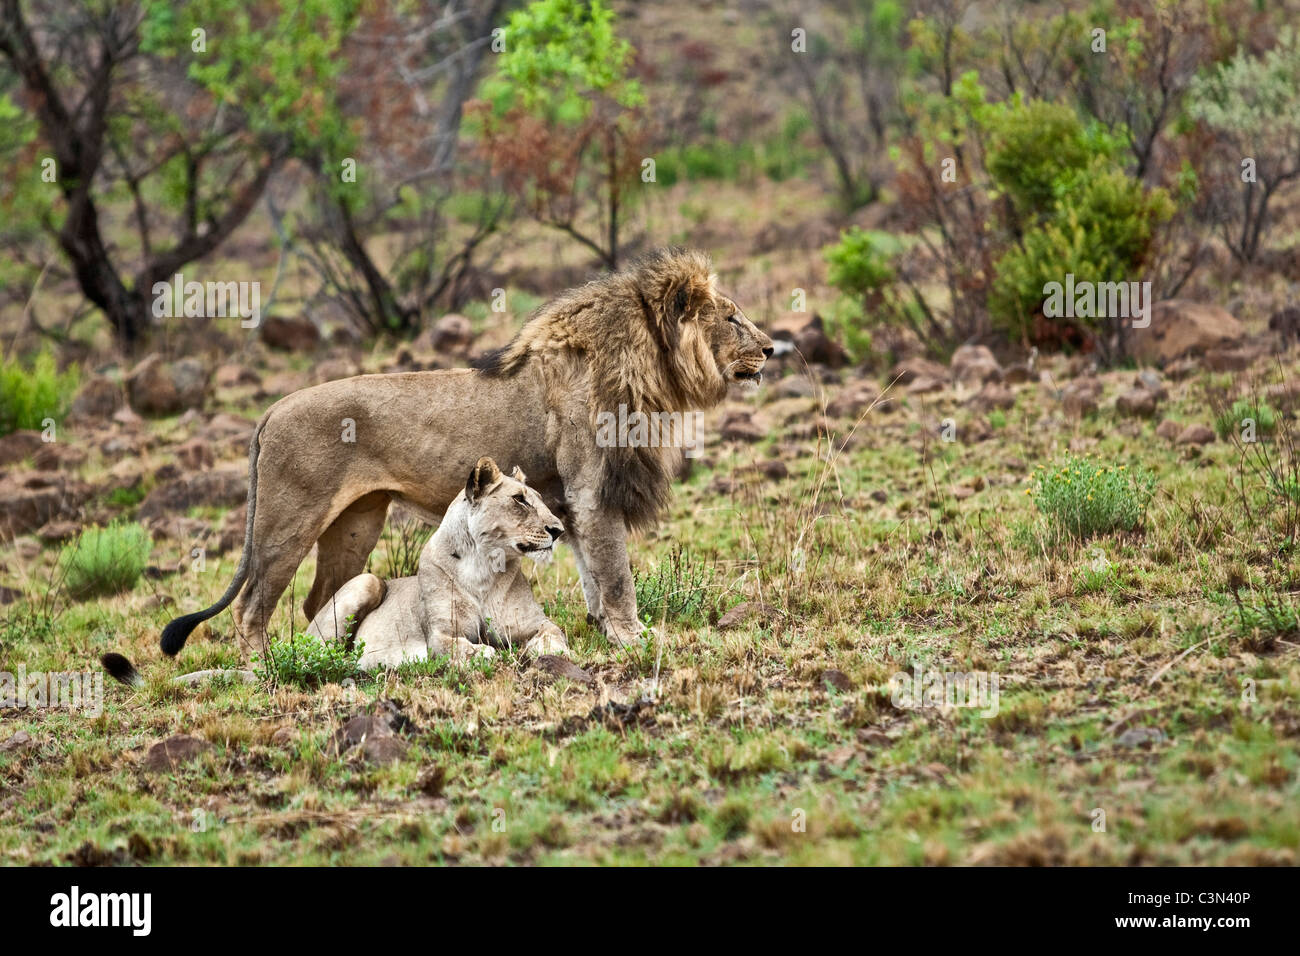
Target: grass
33 395
105 560
772 741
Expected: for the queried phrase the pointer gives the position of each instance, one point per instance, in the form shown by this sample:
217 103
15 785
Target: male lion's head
506 514
655 339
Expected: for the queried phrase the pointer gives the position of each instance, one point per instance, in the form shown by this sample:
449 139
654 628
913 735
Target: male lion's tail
175 633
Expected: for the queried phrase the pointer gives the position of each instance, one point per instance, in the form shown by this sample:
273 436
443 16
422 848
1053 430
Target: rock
975 364
27 548
740 426
195 455
810 340
962 492
1232 359
910 369
54 456
837 679
1169 430
1286 323
1181 328
856 398
31 499
556 666
773 469
18 445
744 612
1018 374
285 736
57 532
1080 397
334 369
1151 381
1136 403
19 742
1141 737
794 386
170 753
290 334
452 333
991 396
233 375
1195 435
1181 369
282 383
97 399
222 487
384 750
924 385
155 387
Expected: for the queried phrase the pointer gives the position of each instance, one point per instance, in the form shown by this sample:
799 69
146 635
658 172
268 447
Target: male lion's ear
482 478
688 296
519 476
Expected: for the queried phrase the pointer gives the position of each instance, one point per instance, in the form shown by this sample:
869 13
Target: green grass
104 561
33 394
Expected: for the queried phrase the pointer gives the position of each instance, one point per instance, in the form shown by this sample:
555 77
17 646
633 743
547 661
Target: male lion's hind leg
343 613
343 548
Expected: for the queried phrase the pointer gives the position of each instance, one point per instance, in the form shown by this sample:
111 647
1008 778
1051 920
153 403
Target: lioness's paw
467 650
546 644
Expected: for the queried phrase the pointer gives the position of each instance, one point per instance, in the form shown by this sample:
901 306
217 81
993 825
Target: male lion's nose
555 531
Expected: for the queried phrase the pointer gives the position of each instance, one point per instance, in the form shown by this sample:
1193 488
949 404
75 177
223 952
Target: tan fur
658 337
469 593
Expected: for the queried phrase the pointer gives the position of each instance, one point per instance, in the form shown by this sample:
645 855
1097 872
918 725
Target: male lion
324 463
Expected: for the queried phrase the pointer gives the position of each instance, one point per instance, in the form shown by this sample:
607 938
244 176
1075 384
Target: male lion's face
505 513
739 347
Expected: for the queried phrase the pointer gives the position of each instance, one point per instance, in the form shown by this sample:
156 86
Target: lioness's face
504 512
739 347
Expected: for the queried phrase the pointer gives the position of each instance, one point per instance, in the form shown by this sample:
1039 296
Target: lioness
324 463
468 595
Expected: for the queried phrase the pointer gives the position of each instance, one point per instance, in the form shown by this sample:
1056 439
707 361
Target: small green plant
1242 412
676 589
1260 625
29 396
403 542
1081 498
105 560
307 661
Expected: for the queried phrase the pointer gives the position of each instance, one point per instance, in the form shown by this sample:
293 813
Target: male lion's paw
546 644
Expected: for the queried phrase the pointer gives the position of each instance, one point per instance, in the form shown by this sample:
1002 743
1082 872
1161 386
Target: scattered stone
97 399
916 367
740 426
856 398
992 396
556 666
1195 435
195 455
1018 374
816 346
923 385
1137 402
155 387
975 364
837 679
56 455
233 375
1286 323
18 445
285 736
384 750
1181 328
19 742
1150 379
176 750
962 492
1169 430
1081 397
331 370
296 334
57 532
1232 359
794 386
432 780
221 487
30 499
452 333
1141 737
744 612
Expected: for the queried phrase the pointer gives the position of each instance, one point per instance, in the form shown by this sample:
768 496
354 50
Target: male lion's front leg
601 539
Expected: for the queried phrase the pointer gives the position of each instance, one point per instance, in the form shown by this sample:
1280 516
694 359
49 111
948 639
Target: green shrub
28 396
105 560
307 661
1082 498
1261 413
860 264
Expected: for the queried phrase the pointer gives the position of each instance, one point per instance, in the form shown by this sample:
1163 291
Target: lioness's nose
767 352
555 531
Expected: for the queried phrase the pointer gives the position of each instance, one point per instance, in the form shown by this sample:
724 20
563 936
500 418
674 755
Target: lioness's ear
688 296
482 478
519 476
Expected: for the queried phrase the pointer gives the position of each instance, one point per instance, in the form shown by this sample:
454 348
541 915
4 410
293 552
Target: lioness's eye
521 499
733 320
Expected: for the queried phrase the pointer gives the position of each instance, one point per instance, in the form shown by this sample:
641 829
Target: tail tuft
175 633
121 669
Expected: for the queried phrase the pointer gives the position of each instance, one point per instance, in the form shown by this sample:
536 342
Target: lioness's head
505 513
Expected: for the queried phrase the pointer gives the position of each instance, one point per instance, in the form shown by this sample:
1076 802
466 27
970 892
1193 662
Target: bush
28 396
105 560
1261 413
307 661
1082 498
